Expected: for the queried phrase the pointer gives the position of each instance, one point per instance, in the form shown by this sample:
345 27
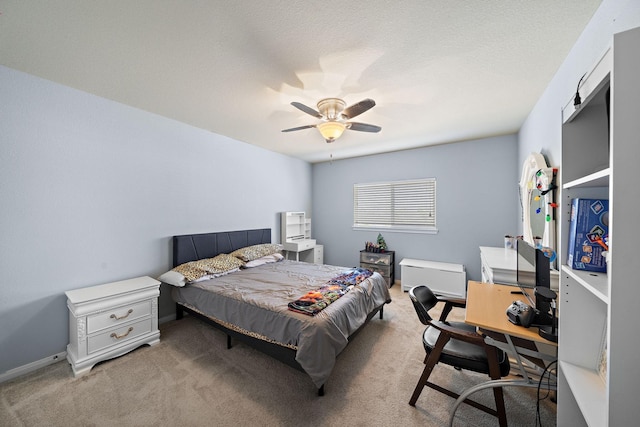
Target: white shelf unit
293 226
295 235
307 228
600 154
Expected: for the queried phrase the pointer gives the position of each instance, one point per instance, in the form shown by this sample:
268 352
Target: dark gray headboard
191 247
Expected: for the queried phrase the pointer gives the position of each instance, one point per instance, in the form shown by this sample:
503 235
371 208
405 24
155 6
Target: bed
251 304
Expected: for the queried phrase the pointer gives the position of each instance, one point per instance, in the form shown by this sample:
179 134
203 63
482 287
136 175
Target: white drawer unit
314 255
380 262
109 320
318 254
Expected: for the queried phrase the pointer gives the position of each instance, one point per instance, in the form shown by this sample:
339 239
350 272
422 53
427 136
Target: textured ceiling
439 71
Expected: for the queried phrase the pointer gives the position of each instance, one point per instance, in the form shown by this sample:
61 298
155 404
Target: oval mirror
537 196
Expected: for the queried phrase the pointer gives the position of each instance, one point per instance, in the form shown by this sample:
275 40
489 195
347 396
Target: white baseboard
30 367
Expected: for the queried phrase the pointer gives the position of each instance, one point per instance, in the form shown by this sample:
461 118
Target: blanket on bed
313 302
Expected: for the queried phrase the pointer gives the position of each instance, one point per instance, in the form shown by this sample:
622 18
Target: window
398 205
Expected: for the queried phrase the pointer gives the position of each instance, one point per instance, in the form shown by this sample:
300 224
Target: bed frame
191 247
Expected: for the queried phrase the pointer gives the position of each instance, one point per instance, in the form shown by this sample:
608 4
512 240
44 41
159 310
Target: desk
486 308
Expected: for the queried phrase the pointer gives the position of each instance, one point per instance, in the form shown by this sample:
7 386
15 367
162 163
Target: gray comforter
256 299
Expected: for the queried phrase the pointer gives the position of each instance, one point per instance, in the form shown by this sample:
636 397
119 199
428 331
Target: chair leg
498 395
430 362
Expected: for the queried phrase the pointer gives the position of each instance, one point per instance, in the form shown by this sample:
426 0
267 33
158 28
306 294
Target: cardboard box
589 221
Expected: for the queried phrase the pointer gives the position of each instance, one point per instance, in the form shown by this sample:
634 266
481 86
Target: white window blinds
400 205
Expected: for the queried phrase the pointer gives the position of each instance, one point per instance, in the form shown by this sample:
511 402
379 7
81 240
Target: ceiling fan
335 118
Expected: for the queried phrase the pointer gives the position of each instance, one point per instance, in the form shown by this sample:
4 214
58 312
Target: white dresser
499 265
109 320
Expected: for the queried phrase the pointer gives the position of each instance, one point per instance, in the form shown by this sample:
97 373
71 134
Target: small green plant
381 243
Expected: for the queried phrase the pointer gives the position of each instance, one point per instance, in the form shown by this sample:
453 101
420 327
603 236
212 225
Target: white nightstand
109 320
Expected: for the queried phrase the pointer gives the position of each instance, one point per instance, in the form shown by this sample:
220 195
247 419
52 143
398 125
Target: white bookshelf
295 235
600 155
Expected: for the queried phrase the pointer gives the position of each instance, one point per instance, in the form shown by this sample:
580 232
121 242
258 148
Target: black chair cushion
462 354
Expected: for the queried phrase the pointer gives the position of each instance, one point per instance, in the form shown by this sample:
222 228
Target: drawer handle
116 336
113 316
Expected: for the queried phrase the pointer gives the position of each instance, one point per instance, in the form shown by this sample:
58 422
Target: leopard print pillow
250 253
204 267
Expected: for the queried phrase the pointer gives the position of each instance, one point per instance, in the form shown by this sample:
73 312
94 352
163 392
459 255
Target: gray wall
542 131
477 200
91 192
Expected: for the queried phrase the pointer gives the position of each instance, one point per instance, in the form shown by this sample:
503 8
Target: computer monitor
533 267
534 271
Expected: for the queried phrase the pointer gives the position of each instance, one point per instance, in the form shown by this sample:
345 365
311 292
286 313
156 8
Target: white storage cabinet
442 278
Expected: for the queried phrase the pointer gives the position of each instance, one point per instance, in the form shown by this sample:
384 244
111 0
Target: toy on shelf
379 246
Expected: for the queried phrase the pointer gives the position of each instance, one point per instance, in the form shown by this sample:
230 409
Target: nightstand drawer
117 316
115 336
385 271
381 258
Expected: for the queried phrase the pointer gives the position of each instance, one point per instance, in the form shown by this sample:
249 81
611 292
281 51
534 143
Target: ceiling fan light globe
331 131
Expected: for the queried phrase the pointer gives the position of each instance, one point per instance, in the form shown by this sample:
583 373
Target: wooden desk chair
459 345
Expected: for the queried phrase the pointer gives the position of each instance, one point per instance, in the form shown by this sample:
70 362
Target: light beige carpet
191 379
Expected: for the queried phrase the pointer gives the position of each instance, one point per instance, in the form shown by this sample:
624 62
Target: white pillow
267 259
173 278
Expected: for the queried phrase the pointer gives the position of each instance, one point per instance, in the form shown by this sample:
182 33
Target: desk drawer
118 315
116 336
306 245
299 245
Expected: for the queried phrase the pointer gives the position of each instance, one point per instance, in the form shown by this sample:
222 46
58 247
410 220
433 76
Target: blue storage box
589 221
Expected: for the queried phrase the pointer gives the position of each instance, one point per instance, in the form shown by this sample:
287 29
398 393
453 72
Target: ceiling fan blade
307 110
363 127
358 108
298 128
